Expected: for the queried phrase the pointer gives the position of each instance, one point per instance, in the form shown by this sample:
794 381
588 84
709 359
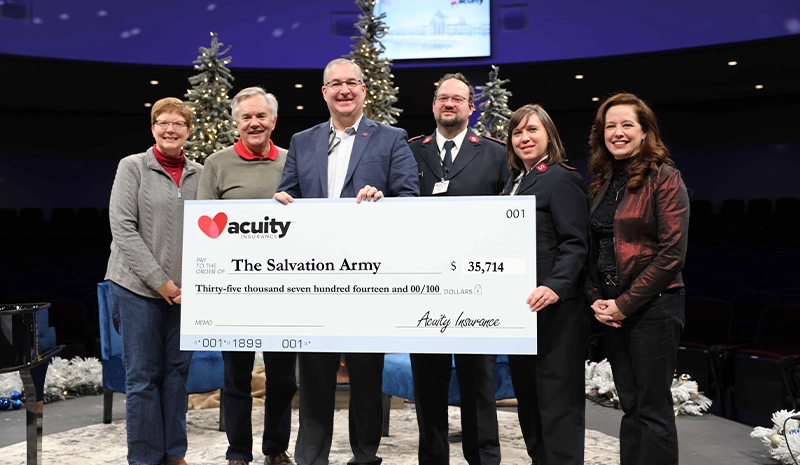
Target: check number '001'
496 266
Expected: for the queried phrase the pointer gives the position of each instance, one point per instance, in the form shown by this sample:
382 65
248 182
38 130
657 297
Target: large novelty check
446 275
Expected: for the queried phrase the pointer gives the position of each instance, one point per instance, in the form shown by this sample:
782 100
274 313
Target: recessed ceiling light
298 86
595 99
153 82
759 86
579 76
299 107
733 63
148 105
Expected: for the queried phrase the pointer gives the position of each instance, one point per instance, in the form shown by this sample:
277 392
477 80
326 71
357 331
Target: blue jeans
642 355
156 372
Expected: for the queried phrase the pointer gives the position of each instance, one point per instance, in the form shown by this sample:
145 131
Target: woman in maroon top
639 224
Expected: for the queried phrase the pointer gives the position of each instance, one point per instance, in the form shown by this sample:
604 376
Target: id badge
440 187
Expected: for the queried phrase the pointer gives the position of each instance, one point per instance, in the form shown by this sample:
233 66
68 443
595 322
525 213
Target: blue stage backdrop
305 34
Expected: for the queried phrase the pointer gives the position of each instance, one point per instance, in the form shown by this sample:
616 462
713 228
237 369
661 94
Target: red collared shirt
242 151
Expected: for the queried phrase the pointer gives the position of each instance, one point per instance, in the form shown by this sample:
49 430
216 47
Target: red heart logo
213 228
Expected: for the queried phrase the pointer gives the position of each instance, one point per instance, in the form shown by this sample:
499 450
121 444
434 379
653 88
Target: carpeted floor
105 444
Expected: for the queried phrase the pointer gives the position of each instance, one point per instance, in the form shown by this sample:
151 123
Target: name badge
440 187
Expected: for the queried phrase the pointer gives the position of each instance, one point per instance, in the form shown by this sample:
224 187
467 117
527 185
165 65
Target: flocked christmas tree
213 127
493 100
381 93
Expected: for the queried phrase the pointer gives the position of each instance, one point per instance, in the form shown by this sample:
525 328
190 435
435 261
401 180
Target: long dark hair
555 149
652 153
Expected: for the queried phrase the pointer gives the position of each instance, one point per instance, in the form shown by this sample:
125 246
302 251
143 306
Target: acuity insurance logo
267 228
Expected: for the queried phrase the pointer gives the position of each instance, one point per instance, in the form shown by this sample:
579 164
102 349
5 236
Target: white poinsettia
778 440
686 397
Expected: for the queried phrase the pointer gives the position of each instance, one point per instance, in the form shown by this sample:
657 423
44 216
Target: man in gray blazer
454 161
346 156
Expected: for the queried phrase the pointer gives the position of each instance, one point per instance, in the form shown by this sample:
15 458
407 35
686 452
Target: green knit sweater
226 175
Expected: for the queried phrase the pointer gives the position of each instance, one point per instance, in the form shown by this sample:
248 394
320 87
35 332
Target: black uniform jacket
480 168
562 226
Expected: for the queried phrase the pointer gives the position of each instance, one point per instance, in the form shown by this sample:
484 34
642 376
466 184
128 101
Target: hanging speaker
13 10
513 17
344 24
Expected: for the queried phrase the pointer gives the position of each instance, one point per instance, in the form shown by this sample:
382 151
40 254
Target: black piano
19 351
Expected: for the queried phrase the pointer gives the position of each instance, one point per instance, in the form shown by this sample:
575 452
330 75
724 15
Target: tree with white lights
381 93
213 126
493 104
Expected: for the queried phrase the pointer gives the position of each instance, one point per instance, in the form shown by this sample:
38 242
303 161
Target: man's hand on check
368 193
283 198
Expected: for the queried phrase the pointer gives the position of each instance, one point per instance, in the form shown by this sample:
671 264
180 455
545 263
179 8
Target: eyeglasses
456 99
351 83
175 124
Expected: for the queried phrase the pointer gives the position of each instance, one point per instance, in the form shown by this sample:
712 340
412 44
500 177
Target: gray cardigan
146 216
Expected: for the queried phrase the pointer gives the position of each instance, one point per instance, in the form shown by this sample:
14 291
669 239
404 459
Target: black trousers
550 385
317 401
642 355
431 372
280 389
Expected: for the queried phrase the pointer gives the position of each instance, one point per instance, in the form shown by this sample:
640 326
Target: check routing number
446 275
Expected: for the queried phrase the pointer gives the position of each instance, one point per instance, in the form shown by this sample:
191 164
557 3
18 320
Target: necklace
616 197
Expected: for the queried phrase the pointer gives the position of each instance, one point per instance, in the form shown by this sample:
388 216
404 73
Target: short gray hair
248 92
341 61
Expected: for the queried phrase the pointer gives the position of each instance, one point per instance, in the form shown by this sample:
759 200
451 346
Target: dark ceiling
305 34
98 109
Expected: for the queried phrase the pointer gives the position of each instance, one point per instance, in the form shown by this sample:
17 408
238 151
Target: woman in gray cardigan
146 215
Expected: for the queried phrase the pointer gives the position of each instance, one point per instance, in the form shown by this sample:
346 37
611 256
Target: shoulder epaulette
416 137
568 167
495 139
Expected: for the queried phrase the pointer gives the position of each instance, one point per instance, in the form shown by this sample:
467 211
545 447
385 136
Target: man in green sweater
252 169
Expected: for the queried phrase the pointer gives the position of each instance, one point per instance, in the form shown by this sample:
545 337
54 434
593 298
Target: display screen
420 29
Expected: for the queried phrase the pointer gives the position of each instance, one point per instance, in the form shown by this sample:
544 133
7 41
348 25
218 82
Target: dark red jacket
651 229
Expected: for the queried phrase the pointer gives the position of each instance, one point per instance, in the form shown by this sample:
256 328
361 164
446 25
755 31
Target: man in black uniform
455 161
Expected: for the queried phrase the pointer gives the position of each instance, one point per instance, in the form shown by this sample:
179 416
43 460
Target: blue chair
47 334
398 382
206 372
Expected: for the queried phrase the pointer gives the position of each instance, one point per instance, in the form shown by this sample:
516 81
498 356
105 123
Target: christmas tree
213 127
493 100
381 93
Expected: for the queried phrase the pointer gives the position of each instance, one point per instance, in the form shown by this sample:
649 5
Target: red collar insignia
474 139
427 139
541 167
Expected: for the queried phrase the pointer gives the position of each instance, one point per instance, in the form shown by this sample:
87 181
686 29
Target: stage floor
706 440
